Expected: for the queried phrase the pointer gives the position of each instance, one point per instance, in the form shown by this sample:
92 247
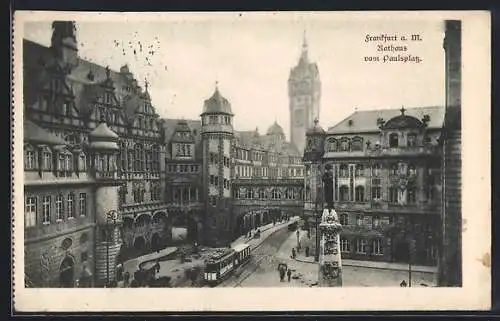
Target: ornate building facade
67 99
386 167
106 179
268 178
224 182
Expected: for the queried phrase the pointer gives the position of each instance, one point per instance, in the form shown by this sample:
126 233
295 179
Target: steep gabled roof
170 125
36 59
366 120
34 133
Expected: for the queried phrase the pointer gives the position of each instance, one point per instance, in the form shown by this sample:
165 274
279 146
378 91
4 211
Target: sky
250 58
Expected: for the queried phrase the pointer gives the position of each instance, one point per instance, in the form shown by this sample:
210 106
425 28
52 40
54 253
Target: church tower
304 93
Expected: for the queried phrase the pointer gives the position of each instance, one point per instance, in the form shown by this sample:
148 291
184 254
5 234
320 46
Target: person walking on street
293 253
289 274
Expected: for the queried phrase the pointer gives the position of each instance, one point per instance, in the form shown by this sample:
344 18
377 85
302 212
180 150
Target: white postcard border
476 200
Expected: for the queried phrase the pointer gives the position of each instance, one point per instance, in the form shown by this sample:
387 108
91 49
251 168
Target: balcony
185 206
145 206
427 150
403 151
105 175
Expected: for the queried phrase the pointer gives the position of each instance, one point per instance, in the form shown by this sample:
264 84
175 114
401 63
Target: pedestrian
157 266
293 253
289 274
126 279
307 251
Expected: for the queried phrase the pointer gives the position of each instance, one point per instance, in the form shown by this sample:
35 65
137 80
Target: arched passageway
140 243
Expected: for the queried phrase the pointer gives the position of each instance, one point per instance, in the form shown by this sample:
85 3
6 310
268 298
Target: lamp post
110 216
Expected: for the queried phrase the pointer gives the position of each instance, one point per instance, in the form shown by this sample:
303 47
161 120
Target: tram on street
242 254
224 261
219 265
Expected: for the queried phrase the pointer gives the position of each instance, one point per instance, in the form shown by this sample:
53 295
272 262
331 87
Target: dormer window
412 140
331 145
46 159
357 144
393 140
344 145
30 160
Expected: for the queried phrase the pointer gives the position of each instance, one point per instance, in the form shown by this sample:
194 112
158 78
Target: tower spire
303 56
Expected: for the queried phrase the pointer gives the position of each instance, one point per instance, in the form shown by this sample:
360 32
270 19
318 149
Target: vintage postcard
246 161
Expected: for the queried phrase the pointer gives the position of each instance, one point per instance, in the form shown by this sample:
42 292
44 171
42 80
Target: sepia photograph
245 150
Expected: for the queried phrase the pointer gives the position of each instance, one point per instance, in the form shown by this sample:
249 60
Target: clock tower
304 93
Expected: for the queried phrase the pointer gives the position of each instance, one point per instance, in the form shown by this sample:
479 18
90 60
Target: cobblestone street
262 271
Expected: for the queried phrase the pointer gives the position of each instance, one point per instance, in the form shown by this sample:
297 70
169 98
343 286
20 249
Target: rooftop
366 120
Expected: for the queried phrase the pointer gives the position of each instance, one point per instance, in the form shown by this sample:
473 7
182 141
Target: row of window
395 194
65 208
214 160
184 150
345 144
139 192
257 171
147 123
185 194
44 159
361 246
216 120
139 158
249 193
395 169
183 168
214 180
242 154
360 220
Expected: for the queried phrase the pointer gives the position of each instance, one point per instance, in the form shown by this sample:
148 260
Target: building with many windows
106 179
386 175
100 130
268 178
222 182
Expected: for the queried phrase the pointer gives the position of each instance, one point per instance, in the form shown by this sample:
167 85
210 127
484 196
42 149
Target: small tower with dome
217 137
275 131
103 150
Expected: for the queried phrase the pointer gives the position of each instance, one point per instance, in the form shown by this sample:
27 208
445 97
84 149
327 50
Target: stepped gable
38 58
169 127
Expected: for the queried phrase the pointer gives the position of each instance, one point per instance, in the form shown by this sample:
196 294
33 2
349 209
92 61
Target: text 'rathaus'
107 179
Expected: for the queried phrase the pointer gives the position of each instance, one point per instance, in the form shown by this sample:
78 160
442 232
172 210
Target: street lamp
110 216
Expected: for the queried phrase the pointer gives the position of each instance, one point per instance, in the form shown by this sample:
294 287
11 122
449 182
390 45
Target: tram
224 261
219 265
242 254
